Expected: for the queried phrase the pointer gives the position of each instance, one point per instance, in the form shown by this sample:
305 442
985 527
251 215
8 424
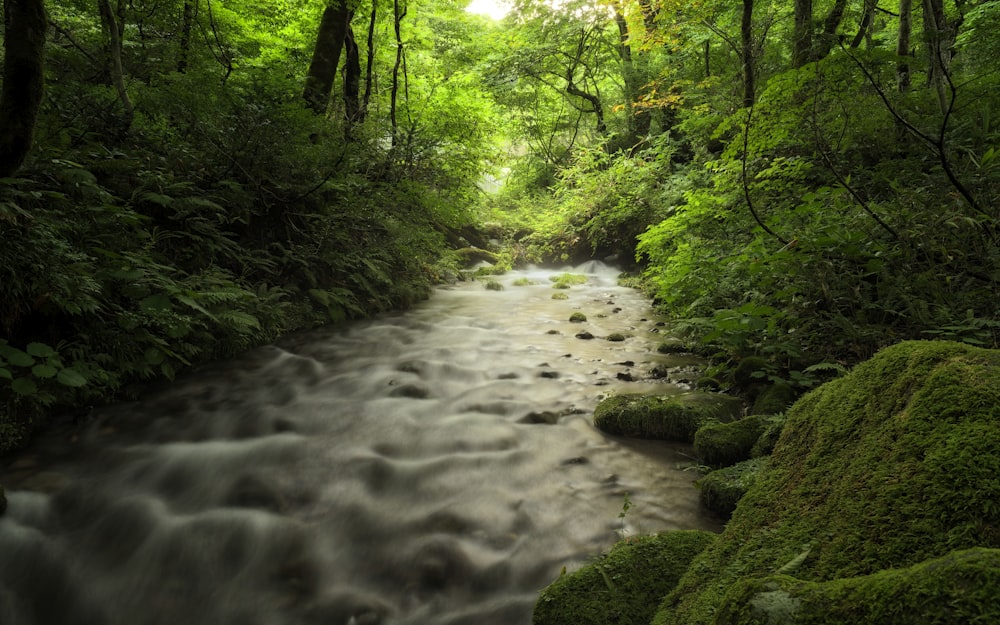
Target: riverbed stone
578 317
624 585
584 335
616 337
890 468
667 417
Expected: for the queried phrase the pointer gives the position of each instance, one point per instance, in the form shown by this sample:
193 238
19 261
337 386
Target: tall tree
748 55
113 22
25 24
903 45
330 40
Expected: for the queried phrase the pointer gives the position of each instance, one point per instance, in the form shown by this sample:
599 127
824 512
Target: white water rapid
433 467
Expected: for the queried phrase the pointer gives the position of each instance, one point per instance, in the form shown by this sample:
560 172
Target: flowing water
437 466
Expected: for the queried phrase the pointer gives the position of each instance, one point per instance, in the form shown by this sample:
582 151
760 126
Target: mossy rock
616 337
961 587
560 296
722 489
894 464
774 398
469 256
566 280
578 317
492 285
669 417
749 371
769 437
724 444
624 585
708 383
672 346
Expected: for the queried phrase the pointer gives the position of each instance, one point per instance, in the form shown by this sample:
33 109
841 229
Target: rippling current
437 466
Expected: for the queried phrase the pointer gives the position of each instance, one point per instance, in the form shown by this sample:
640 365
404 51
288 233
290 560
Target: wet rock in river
584 335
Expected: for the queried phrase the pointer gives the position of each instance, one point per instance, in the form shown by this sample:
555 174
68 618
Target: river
432 467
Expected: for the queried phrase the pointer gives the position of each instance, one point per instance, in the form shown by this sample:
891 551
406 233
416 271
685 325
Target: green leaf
44 371
6 374
71 377
24 386
16 357
41 350
156 303
154 356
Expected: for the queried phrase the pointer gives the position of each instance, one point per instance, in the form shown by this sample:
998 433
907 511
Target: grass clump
560 295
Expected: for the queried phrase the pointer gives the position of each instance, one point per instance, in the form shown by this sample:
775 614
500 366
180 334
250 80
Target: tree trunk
326 56
866 23
801 33
746 36
637 117
939 36
187 22
25 24
352 80
113 29
903 45
828 36
398 14
371 58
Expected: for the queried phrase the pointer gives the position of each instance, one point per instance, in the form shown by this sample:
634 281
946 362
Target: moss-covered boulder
722 444
894 464
624 585
769 437
774 398
469 256
722 489
958 588
669 417
578 317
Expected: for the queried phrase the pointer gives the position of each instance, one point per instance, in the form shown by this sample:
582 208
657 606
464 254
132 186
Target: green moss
891 465
469 256
672 346
670 417
774 398
622 586
707 383
616 337
961 587
722 489
723 444
769 437
578 317
566 280
560 296
524 282
749 371
492 285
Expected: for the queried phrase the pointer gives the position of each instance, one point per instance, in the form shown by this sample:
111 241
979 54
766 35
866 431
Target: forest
805 182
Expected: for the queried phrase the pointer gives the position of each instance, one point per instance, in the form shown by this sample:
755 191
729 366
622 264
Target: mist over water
437 466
